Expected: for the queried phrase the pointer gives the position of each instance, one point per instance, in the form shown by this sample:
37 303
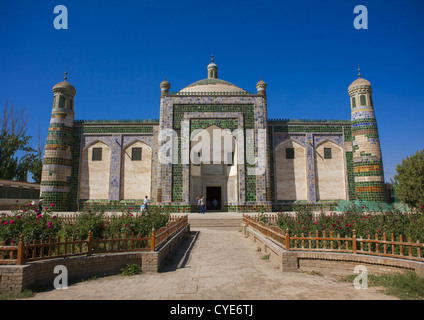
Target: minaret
367 159
212 70
57 164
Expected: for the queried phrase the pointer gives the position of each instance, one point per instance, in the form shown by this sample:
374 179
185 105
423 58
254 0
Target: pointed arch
136 174
330 171
94 175
213 162
290 171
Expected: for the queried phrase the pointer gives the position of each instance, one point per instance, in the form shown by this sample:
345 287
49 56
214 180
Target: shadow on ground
179 258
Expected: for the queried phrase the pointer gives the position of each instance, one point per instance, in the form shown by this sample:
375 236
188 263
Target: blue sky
118 52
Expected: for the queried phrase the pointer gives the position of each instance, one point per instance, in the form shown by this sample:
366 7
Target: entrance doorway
213 198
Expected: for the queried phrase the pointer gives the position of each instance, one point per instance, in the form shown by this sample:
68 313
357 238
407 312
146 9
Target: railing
211 93
379 246
66 248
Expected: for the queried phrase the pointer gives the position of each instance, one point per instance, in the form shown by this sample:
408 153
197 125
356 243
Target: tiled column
310 167
115 168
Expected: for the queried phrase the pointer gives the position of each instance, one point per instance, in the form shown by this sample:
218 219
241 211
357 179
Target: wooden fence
379 245
65 248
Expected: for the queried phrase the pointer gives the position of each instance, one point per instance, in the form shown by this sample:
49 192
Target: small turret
212 70
261 87
164 87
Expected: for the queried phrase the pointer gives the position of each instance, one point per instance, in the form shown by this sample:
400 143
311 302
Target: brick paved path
214 263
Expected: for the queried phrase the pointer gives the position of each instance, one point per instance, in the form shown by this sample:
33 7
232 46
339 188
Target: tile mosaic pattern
309 134
367 159
186 112
200 112
57 165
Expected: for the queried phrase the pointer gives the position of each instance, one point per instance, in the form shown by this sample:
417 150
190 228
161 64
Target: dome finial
66 74
359 71
212 69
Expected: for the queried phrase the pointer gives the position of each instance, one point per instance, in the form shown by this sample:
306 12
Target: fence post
20 259
354 241
287 239
152 242
89 244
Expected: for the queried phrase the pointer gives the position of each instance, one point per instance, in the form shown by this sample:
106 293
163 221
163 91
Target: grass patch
14 296
130 270
265 257
406 285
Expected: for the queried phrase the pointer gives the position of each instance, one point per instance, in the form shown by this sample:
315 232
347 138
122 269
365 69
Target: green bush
29 223
40 226
130 270
356 217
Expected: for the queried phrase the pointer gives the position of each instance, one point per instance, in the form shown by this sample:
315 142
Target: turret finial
359 71
66 74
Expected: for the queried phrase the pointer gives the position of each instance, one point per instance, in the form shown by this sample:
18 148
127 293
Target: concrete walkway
214 264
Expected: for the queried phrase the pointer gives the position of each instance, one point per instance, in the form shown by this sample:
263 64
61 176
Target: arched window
71 104
353 102
62 102
363 100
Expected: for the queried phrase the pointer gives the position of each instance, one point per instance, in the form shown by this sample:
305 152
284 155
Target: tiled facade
181 113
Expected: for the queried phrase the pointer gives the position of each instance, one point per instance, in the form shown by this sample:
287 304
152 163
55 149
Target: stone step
214 222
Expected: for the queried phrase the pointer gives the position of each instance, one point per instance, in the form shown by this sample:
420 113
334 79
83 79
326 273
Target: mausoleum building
212 139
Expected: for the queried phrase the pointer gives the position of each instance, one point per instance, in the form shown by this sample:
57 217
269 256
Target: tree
37 165
16 155
410 180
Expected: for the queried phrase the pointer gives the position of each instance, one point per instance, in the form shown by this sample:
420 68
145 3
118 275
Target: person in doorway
198 205
215 203
202 205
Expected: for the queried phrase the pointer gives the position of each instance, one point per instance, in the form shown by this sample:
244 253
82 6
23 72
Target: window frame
328 154
290 153
141 154
93 158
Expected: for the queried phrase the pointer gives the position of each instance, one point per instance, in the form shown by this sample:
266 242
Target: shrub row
35 225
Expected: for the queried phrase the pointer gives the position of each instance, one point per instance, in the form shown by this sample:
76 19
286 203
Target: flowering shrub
37 226
138 224
32 224
409 225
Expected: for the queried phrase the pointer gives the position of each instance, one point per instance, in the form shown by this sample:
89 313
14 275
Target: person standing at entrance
202 205
145 203
199 206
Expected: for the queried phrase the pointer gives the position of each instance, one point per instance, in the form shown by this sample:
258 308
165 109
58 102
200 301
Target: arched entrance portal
213 167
